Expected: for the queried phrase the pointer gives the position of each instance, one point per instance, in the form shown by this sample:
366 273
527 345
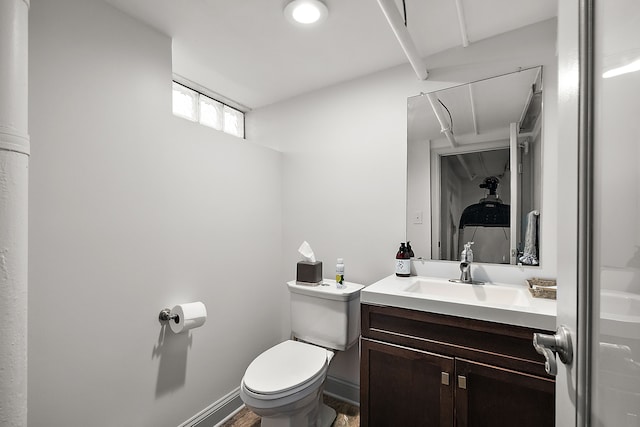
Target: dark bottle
403 263
409 250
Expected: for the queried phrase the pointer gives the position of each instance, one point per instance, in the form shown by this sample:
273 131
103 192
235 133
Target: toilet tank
324 315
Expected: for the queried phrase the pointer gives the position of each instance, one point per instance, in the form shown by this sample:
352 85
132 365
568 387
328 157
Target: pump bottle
410 250
403 263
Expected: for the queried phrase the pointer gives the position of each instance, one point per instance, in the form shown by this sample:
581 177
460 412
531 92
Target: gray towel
530 253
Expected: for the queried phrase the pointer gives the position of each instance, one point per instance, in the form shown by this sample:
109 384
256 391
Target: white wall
133 210
345 158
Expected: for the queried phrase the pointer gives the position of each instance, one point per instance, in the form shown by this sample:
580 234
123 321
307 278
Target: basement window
198 107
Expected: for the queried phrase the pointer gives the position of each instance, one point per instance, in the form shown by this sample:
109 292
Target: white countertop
493 302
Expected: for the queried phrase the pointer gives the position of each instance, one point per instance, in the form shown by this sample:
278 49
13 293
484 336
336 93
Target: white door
567 149
599 260
616 316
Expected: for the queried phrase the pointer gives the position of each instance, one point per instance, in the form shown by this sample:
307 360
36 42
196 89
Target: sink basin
494 302
620 314
441 289
622 304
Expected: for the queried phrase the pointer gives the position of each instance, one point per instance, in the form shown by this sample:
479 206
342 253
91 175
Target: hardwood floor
348 415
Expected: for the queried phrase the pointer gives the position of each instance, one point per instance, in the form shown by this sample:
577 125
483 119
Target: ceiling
479 114
246 50
476 112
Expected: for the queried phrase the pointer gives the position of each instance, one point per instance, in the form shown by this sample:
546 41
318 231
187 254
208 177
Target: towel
530 253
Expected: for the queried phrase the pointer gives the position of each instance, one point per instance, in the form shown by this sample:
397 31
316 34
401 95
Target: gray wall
133 210
345 157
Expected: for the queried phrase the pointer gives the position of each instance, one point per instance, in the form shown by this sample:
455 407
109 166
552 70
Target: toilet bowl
284 386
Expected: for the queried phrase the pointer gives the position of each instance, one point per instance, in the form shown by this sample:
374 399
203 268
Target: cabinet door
494 397
404 387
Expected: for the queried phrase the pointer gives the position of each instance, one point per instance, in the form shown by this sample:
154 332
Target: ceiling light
306 11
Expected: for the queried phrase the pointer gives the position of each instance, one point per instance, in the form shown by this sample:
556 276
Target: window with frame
198 107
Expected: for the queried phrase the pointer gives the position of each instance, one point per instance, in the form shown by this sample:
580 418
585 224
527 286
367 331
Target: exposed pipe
14 161
462 23
445 127
396 22
474 116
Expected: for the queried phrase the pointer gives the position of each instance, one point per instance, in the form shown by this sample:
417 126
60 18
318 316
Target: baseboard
224 408
342 390
217 412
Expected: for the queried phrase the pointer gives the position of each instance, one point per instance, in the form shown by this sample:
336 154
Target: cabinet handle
445 378
462 382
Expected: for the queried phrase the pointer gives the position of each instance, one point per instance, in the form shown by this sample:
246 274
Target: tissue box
309 273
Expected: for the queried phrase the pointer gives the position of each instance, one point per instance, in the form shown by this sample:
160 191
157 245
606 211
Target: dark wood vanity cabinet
404 387
425 369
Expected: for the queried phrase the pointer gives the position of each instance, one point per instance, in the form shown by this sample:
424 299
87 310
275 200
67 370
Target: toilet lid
285 366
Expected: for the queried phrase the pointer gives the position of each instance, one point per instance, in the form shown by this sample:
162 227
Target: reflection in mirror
476 210
462 143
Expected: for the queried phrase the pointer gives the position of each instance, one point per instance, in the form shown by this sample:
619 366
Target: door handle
550 345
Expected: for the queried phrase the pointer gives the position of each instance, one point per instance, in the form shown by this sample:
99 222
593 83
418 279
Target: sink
621 304
494 302
487 293
620 314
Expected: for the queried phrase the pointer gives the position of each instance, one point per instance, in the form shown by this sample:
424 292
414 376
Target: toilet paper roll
190 315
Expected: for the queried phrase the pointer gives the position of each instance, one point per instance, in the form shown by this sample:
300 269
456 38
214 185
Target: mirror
474 170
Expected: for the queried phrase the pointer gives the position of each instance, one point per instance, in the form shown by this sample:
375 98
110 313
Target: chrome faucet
465 267
465 272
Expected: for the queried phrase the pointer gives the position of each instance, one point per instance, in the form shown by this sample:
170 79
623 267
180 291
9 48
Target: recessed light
306 11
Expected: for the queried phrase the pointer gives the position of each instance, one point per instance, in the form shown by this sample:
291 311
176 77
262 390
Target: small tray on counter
542 288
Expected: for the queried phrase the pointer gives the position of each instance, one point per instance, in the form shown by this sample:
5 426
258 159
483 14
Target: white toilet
284 384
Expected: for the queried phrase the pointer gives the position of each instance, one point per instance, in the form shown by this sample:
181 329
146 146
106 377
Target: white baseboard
218 412
226 407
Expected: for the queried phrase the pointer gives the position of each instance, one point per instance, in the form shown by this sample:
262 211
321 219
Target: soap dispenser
403 263
410 250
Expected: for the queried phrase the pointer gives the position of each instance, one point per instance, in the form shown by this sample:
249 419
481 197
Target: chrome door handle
550 345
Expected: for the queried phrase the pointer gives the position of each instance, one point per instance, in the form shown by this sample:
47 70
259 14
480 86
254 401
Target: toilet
284 384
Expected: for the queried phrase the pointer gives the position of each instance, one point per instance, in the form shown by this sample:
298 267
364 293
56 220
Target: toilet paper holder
184 317
165 315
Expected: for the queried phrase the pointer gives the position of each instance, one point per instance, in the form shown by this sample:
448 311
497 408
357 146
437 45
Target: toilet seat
285 369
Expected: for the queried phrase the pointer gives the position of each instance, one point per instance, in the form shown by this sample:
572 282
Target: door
405 387
490 396
615 348
599 274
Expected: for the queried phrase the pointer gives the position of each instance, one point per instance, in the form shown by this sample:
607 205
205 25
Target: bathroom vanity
435 353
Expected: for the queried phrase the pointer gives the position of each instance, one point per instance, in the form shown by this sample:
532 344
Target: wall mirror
474 170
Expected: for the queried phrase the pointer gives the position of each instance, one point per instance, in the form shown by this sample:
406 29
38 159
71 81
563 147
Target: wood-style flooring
347 415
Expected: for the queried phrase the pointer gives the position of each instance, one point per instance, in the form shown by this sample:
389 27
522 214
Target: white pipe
14 161
445 128
474 116
462 23
396 22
